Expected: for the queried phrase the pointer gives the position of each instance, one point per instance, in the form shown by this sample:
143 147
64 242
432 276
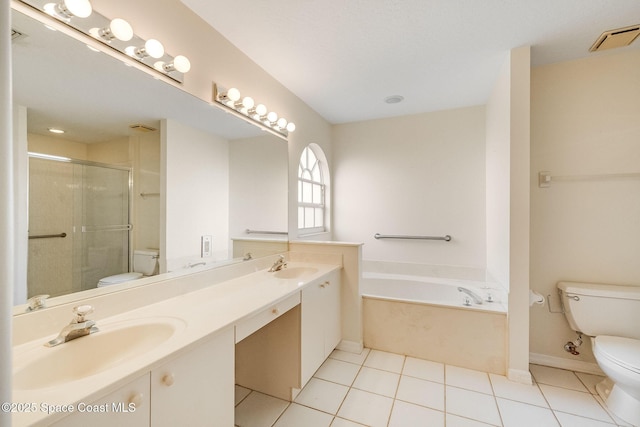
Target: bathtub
431 290
426 317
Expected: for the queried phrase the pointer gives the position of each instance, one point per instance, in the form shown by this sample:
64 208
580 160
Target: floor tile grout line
595 397
243 399
395 395
495 399
350 387
281 414
613 422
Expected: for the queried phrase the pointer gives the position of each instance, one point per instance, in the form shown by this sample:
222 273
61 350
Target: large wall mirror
142 165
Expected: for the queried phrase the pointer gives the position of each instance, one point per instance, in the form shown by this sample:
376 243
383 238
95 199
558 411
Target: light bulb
121 29
50 8
68 9
154 48
261 110
79 8
272 117
233 94
282 122
118 29
291 127
131 51
247 102
181 64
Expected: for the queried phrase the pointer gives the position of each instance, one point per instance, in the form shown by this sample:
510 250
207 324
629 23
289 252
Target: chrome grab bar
48 236
95 228
446 238
265 232
145 195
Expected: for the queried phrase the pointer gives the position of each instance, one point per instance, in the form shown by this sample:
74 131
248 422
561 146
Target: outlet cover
205 246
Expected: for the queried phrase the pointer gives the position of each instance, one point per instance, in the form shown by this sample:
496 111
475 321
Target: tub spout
475 297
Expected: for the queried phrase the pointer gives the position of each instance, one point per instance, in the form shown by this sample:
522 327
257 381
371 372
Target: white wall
585 121
508 117
258 185
21 201
498 168
413 175
195 194
145 148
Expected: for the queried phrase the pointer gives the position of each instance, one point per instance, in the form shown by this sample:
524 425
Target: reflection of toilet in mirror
610 315
145 263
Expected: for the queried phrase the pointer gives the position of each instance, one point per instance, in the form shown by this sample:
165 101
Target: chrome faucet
37 302
279 264
475 297
78 327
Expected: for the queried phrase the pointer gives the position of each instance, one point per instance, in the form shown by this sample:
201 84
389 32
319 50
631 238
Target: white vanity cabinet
127 406
196 388
320 323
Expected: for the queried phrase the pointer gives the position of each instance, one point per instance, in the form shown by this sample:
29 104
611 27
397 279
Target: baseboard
562 363
520 376
350 346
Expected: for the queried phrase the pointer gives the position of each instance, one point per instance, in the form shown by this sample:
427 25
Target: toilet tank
145 262
599 309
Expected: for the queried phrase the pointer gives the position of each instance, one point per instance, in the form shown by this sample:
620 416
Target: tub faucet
279 264
475 297
78 327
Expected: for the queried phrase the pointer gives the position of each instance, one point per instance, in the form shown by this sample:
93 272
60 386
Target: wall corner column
519 213
7 212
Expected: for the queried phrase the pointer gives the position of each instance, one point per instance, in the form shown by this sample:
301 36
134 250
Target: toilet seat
119 278
624 352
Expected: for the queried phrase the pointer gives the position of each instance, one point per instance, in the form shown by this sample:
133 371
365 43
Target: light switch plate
205 246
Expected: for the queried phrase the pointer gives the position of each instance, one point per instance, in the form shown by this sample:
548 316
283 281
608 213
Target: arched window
311 193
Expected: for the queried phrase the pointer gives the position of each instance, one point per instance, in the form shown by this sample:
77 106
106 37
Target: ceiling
344 57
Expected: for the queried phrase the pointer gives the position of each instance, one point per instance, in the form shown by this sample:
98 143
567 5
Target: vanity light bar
114 33
247 108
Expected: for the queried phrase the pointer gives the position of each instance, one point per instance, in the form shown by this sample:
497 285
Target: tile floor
380 389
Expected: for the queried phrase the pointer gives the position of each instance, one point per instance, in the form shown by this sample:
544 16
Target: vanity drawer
246 327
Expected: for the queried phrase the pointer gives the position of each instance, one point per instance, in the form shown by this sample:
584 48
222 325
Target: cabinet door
197 387
127 406
312 320
320 324
333 324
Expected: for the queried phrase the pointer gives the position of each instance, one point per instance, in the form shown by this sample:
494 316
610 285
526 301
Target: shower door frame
127 169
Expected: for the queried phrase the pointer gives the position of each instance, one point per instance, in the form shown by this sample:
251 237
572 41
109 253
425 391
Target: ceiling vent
616 38
142 128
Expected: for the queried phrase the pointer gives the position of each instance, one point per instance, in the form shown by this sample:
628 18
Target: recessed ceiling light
393 99
54 130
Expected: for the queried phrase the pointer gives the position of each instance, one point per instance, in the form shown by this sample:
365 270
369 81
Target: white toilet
610 314
144 264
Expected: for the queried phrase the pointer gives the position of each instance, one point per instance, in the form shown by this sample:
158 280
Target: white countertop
204 312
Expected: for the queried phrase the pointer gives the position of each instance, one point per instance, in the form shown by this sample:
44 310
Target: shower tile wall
51 212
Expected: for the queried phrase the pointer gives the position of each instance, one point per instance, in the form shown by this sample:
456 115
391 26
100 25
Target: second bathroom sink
295 272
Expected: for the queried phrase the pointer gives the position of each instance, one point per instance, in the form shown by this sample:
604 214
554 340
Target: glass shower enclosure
79 224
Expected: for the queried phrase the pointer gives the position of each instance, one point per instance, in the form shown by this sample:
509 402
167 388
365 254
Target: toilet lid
622 351
119 278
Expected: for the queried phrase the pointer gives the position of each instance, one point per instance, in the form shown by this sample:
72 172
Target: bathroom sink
295 272
80 358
